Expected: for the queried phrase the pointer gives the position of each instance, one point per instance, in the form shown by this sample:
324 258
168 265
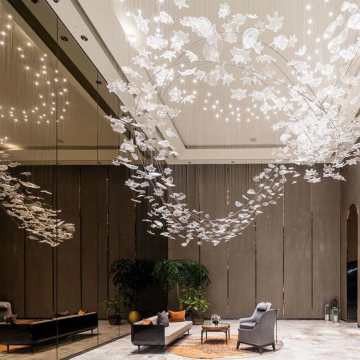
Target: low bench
157 335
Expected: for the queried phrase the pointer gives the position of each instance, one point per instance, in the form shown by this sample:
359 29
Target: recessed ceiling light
34 1
98 82
64 38
253 139
83 37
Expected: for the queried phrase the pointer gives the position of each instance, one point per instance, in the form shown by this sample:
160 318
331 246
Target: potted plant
194 300
10 318
132 278
176 273
112 304
215 319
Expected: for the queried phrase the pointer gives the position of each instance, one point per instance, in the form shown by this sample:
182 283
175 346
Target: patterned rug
215 347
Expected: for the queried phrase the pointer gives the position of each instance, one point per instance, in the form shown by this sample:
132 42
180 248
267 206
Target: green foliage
112 304
193 299
132 278
171 273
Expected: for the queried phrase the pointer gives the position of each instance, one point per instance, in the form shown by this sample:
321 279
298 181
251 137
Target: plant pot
198 320
216 322
114 319
134 316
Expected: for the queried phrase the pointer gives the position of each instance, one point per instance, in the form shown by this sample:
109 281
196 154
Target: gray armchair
249 323
262 332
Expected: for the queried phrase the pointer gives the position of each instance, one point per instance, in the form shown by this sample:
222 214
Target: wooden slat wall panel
12 264
114 223
89 237
102 240
241 250
69 255
38 257
269 255
150 247
297 250
186 180
213 201
326 244
126 217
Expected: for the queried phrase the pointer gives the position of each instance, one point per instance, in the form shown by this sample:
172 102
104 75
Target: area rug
215 347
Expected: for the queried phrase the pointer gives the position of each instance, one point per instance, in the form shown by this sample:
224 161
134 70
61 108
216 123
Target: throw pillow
163 319
147 322
177 316
81 312
61 314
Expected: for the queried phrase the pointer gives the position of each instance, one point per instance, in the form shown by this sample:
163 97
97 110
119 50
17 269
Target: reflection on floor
69 346
303 340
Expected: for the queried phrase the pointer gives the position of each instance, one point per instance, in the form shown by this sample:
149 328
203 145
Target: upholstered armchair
5 309
249 323
259 329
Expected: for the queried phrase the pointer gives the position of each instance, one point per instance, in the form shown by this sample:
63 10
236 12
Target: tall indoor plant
132 278
194 300
177 273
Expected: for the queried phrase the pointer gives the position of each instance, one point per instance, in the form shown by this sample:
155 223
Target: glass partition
53 103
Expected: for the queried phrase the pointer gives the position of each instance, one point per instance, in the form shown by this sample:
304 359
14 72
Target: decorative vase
198 320
134 316
216 322
114 319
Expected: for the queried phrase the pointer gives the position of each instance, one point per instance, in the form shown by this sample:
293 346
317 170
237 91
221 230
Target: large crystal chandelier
319 123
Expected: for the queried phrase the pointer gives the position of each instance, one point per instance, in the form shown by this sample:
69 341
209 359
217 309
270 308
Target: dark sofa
46 330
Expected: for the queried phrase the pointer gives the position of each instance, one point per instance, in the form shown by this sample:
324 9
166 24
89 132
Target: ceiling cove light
284 82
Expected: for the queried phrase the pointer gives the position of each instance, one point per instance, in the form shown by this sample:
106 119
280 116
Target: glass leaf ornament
141 23
224 11
250 37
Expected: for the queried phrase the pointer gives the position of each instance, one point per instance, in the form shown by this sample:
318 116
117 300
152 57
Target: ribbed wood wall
289 256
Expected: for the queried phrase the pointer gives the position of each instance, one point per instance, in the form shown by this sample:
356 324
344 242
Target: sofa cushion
61 314
163 319
247 325
3 306
175 329
147 322
177 316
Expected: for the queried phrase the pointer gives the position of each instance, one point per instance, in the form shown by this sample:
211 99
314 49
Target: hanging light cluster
319 123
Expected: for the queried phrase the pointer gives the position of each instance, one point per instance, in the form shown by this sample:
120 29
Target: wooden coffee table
220 327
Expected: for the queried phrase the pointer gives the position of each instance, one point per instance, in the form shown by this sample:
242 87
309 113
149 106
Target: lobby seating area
179 179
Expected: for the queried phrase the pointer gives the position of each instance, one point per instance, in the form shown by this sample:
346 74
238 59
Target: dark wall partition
39 280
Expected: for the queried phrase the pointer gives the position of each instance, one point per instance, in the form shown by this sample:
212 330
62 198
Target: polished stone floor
69 346
303 340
